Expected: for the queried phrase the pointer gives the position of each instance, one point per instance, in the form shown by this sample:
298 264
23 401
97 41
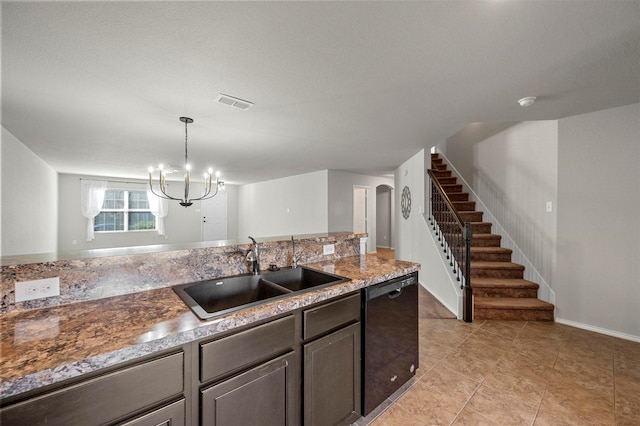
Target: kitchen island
46 348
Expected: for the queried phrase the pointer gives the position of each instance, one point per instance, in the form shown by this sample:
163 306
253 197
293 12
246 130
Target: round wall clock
405 202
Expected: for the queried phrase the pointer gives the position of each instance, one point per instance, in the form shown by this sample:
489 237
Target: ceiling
97 87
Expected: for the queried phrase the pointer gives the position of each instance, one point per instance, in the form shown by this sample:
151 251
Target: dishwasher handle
395 293
393 288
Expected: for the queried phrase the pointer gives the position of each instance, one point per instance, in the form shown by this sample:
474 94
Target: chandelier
210 187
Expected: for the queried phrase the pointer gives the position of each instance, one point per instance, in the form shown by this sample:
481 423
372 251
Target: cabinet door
332 378
266 395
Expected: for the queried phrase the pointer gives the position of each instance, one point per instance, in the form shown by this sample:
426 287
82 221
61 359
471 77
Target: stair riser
440 166
461 206
458 196
491 257
512 314
481 228
442 173
486 242
452 188
447 180
505 292
471 216
496 273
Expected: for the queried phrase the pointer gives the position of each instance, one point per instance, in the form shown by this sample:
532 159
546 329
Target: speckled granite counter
45 346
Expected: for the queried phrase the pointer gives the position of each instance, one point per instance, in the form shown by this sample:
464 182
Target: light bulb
187 167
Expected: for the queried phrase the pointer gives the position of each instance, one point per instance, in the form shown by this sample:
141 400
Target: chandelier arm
208 194
162 185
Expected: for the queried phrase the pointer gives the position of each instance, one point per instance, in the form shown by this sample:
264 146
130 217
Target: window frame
125 211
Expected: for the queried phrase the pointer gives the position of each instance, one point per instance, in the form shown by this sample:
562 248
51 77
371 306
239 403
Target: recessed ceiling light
528 101
234 102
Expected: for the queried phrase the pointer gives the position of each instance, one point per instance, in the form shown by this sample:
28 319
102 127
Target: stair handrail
466 232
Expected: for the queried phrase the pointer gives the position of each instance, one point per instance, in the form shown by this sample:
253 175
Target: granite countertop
45 346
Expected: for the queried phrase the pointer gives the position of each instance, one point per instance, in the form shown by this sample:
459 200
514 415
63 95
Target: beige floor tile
449 382
628 347
467 365
590 381
529 369
501 407
547 419
519 387
432 407
546 328
580 356
508 329
472 418
627 364
397 416
627 400
567 398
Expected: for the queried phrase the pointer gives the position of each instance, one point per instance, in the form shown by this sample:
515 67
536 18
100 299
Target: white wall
29 200
513 168
182 225
232 211
414 241
341 202
286 206
597 276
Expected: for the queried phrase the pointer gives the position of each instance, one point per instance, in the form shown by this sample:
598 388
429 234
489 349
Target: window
124 210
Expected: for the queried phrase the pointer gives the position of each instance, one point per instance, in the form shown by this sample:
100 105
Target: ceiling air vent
234 102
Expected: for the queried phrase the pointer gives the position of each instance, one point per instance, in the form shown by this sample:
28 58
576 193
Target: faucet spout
294 258
254 257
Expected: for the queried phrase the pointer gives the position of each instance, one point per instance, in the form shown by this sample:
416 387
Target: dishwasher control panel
408 281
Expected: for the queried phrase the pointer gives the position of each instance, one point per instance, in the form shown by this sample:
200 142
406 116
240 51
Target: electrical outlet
37 289
328 249
549 206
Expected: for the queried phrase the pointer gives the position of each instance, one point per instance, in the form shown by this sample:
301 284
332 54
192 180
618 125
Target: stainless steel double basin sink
211 298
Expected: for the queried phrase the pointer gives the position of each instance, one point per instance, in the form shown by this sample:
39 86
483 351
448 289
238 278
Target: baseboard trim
600 330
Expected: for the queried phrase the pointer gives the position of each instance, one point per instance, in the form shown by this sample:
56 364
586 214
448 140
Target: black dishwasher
390 338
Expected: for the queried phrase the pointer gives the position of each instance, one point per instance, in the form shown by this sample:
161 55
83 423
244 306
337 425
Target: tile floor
516 373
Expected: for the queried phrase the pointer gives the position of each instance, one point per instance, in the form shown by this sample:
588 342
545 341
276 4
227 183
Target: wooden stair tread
495 265
521 303
502 283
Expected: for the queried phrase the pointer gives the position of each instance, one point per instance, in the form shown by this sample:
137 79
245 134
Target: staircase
499 288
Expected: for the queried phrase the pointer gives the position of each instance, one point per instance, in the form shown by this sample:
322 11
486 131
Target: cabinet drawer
246 348
169 415
103 399
330 316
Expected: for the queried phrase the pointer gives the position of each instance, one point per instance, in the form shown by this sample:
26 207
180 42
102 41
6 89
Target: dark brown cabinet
332 363
332 378
251 377
265 395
